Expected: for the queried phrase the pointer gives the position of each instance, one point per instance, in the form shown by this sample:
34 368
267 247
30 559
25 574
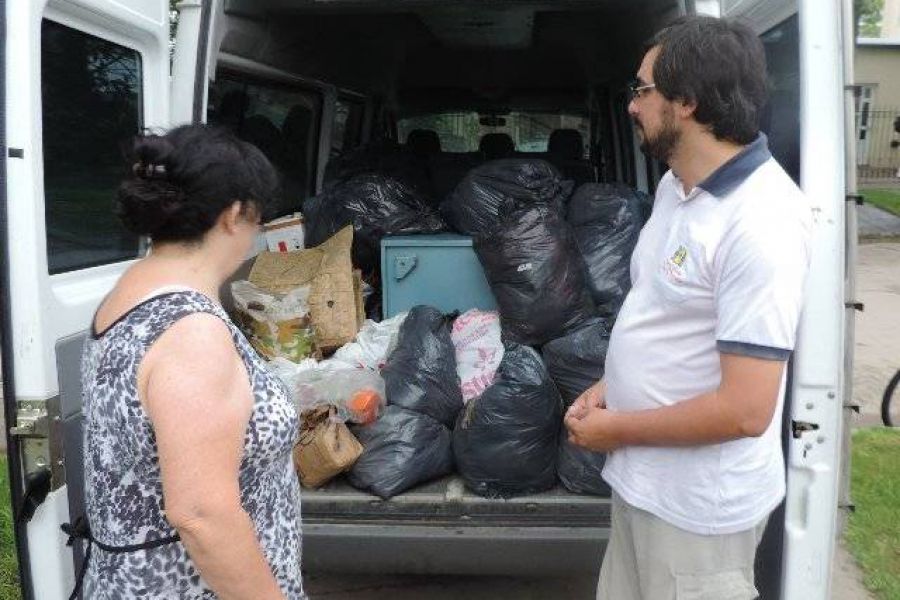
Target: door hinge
38 431
855 305
859 199
32 421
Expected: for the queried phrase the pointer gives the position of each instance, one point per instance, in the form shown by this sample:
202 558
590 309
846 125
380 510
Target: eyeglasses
637 89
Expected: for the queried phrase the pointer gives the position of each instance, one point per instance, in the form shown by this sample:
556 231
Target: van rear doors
81 78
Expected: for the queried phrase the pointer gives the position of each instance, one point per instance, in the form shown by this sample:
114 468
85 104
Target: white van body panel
49 308
818 384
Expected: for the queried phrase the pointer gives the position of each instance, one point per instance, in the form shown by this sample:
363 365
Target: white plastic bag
372 346
277 325
479 350
358 394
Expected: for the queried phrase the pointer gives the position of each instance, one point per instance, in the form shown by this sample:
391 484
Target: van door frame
13 454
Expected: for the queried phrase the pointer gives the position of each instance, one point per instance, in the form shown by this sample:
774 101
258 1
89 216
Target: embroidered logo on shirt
679 257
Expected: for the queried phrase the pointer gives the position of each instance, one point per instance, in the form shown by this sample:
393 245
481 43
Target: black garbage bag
490 192
420 374
537 276
575 363
580 469
607 220
505 441
400 450
377 206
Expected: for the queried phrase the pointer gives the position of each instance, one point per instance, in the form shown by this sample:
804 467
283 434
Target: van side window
346 131
91 91
781 117
281 121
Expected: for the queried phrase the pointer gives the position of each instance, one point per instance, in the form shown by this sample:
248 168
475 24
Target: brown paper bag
326 448
335 299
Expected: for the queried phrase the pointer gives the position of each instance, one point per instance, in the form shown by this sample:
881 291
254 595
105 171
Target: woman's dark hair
182 181
720 65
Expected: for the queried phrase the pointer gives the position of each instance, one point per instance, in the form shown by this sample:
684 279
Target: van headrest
262 133
295 127
423 142
497 145
566 144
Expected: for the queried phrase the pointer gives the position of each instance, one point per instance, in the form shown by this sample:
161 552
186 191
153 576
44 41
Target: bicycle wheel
890 415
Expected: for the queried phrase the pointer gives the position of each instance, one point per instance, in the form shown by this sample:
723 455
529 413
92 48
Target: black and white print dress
123 488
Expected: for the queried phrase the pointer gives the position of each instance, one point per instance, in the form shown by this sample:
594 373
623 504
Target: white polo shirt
721 269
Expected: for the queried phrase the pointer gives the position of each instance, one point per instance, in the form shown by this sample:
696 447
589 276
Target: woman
187 435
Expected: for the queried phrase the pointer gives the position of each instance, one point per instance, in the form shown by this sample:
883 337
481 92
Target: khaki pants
649 559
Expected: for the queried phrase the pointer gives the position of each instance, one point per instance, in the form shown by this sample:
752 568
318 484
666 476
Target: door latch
801 427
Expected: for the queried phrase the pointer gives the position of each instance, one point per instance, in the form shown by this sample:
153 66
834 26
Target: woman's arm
197 393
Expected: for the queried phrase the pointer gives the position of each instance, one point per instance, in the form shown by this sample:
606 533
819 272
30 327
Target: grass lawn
889 200
873 533
9 573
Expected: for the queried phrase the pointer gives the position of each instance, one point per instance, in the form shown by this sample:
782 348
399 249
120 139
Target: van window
281 121
781 119
462 131
91 96
346 132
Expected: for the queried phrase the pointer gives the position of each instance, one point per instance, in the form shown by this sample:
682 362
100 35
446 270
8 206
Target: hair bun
147 201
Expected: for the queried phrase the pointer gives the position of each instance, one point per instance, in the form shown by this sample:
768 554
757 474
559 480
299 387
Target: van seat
565 150
496 145
423 143
447 169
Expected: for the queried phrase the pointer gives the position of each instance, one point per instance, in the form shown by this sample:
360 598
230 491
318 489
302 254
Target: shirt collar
730 175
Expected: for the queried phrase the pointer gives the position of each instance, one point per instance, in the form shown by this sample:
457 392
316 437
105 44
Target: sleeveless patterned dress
123 488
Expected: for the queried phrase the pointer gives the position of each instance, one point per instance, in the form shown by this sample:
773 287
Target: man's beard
663 144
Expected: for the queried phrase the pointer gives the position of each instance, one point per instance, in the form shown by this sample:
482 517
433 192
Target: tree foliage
868 17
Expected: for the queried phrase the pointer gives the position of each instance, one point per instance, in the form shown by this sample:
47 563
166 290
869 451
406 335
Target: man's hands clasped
589 422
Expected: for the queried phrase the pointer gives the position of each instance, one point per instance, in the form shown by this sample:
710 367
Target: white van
82 76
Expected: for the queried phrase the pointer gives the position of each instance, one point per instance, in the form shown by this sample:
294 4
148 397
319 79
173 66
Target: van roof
457 54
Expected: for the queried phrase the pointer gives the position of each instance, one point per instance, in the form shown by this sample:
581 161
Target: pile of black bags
559 267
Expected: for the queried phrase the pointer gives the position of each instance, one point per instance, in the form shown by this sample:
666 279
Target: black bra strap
80 530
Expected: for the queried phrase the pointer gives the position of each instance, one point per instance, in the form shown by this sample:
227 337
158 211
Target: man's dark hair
720 65
182 181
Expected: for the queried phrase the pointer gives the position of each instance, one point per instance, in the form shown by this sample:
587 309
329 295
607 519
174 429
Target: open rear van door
822 363
81 78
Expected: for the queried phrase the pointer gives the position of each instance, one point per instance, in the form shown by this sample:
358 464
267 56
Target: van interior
451 86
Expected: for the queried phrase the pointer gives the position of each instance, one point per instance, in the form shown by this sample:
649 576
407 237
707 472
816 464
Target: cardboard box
335 300
285 234
326 448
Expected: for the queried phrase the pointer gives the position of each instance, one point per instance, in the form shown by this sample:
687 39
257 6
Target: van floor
447 501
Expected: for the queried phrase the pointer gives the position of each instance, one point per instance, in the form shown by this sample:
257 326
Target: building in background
877 67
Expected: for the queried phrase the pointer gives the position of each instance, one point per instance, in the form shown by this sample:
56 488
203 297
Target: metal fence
878 143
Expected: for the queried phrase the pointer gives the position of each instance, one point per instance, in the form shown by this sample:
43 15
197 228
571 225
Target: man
690 407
